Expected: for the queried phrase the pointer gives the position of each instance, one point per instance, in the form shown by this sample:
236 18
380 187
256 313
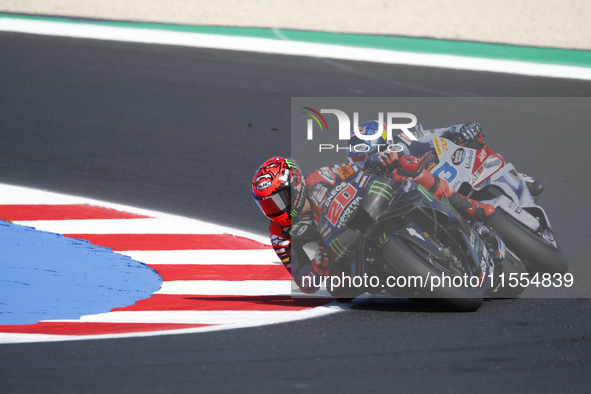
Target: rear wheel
411 264
528 245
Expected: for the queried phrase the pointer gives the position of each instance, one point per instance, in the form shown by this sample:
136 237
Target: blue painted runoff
46 276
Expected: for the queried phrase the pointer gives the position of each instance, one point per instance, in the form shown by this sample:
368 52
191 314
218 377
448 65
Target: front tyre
406 263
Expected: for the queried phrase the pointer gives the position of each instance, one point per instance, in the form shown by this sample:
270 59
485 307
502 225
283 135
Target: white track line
282 47
301 315
223 287
220 257
18 195
183 317
126 226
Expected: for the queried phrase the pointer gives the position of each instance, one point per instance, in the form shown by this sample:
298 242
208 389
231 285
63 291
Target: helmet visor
276 204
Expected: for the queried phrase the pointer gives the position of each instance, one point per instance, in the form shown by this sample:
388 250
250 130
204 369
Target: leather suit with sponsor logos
424 148
289 247
469 135
288 242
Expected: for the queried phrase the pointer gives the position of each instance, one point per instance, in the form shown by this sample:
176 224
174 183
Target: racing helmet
279 189
359 150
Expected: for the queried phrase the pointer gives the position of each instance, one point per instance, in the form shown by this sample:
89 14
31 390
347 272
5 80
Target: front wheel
527 245
406 263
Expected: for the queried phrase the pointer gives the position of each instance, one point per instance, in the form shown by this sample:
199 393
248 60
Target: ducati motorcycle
485 176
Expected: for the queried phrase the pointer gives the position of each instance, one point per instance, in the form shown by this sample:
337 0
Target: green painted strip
568 57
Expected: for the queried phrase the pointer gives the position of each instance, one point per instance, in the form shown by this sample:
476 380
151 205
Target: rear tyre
527 245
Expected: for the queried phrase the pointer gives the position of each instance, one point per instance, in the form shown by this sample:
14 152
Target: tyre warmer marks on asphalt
214 277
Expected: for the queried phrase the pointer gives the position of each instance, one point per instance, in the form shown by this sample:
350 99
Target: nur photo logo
346 130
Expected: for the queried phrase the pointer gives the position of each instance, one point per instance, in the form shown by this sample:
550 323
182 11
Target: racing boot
471 209
534 186
410 168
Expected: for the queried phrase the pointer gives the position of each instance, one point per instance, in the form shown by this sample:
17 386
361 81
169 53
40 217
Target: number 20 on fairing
339 203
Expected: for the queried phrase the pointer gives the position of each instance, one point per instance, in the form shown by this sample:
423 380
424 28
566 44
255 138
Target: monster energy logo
427 194
477 241
382 239
381 188
291 163
338 248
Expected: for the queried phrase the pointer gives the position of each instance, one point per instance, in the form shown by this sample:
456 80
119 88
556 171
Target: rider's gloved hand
470 135
409 166
304 229
382 163
389 159
387 162
321 261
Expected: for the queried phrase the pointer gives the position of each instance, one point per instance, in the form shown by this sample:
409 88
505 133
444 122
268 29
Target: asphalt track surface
182 130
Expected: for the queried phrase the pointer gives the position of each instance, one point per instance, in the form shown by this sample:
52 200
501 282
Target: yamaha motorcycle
409 243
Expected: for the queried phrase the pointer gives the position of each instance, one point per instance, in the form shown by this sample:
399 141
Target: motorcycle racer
469 135
280 191
392 162
284 197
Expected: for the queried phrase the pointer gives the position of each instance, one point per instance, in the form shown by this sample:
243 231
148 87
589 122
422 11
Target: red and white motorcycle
484 175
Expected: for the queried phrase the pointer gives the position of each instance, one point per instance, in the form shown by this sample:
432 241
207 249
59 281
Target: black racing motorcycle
398 237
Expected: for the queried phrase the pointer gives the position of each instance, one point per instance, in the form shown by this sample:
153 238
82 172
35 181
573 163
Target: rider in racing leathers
468 135
396 164
280 191
283 195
